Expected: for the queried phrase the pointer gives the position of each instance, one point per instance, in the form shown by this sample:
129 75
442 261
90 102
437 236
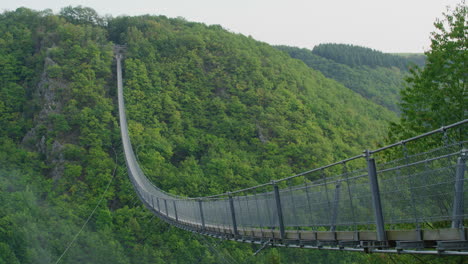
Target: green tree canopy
81 15
354 56
437 95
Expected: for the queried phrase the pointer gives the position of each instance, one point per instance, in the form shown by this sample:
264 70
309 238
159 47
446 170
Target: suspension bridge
388 200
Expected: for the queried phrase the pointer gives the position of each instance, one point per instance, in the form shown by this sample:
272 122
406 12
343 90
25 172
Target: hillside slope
374 75
227 111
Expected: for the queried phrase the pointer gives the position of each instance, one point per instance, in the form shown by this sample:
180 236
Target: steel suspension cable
92 213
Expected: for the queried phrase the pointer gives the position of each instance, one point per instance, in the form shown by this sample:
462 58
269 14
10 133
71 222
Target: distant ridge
373 74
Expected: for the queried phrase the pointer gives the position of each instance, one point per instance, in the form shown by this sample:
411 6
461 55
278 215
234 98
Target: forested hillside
209 111
373 74
353 56
228 111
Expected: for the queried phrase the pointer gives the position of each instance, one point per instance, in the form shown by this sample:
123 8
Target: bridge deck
444 234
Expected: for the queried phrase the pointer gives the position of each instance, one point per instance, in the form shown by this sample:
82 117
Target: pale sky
388 26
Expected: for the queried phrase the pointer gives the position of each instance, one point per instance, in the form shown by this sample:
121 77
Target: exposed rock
56 158
36 139
262 138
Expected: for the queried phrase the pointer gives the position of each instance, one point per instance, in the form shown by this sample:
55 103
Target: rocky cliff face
50 104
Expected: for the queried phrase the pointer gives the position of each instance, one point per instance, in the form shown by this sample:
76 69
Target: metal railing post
335 207
165 206
457 216
175 210
202 218
308 205
279 210
351 204
375 192
233 215
324 178
412 184
259 218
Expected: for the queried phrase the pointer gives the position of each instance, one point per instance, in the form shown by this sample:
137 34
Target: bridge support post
279 210
457 216
233 215
165 207
202 218
335 207
375 192
175 210
159 207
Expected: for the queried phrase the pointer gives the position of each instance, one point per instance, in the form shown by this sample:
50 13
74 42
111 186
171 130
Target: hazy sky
389 26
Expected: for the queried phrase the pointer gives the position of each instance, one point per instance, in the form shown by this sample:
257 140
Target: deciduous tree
437 94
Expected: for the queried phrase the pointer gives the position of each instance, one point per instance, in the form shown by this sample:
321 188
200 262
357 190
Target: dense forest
375 75
353 56
209 111
229 111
